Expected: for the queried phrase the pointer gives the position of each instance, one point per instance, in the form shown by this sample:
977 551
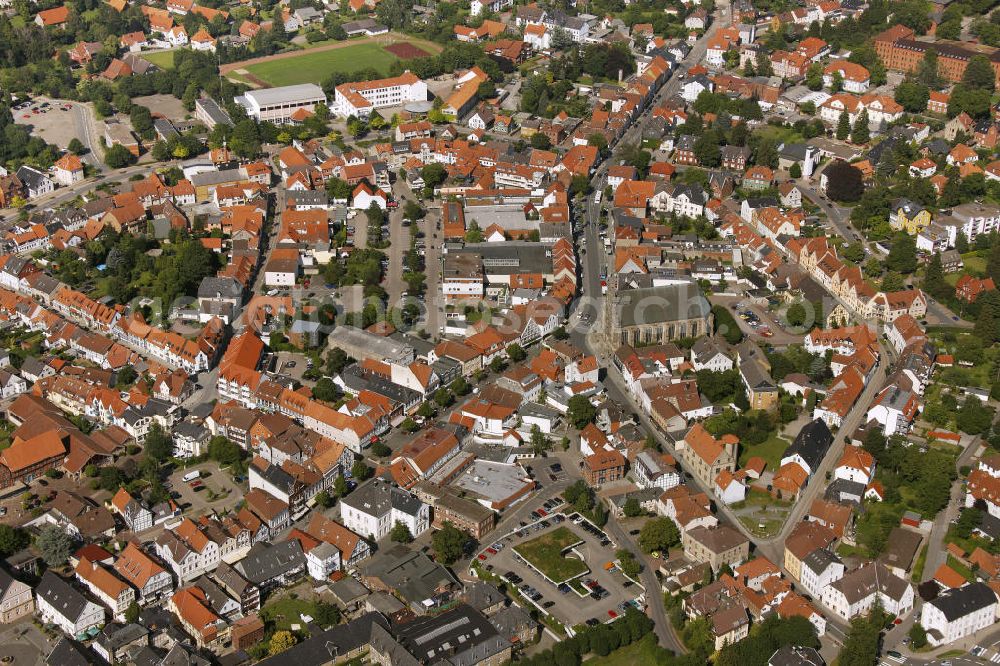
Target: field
545 553
314 65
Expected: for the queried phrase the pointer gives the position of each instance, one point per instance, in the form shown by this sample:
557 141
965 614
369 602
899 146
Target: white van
191 476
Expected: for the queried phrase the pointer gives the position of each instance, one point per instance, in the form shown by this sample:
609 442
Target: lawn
314 67
545 553
162 59
770 450
286 612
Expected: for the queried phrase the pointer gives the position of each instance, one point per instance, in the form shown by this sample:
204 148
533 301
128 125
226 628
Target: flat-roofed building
278 104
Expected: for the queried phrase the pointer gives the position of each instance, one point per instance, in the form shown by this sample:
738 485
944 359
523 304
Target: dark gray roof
510 621
326 646
413 575
820 560
220 287
68 653
812 443
459 637
870 578
113 636
59 594
960 602
652 305
266 561
482 595
31 177
377 498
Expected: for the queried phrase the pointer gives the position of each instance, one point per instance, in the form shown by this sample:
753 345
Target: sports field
314 65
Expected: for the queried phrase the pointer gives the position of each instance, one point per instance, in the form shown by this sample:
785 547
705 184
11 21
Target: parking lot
214 489
598 595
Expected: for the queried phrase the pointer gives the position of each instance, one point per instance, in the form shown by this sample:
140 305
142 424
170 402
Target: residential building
957 613
375 507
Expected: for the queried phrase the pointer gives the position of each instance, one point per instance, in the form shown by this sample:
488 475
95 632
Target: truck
191 476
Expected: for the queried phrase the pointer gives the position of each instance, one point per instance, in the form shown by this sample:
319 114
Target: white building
322 561
495 6
650 472
188 551
59 603
958 613
362 97
856 592
820 569
706 354
376 506
278 104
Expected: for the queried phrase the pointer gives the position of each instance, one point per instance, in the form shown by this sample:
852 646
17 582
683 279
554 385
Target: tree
861 645
912 96
659 534
126 377
118 157
706 149
632 508
918 636
599 141
979 74
795 171
76 147
132 613
843 181
158 445
245 139
540 141
580 411
433 174
326 390
281 641
859 134
360 471
55 545
12 539
449 544
539 442
516 353
473 234
629 565
326 614
928 74
336 361
843 126
340 488
324 500
400 533
903 254
814 76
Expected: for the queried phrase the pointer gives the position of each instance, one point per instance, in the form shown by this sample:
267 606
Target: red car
542 512
491 551
612 614
482 556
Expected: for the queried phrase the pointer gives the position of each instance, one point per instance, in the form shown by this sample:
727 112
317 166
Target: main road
592 339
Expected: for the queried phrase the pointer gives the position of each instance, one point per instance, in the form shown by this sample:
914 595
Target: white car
597 197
